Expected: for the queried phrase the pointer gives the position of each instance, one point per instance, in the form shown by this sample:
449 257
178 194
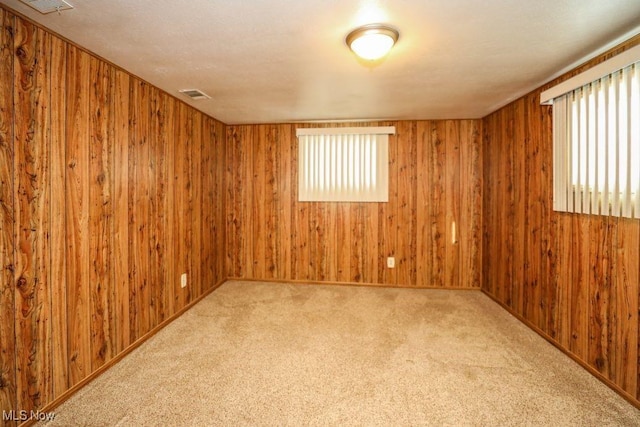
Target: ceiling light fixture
372 41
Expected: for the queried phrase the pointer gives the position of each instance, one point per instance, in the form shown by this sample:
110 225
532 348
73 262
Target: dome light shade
371 42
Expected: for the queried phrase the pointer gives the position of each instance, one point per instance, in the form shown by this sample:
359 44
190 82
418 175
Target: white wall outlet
391 262
183 280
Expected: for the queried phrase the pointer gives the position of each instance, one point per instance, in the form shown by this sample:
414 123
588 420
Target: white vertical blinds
343 164
597 146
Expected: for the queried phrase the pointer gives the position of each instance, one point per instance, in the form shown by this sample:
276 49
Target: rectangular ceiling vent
195 94
48 6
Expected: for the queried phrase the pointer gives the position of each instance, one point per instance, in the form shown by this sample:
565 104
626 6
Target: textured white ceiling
286 60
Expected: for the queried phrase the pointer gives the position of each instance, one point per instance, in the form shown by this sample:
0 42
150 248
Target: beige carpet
279 354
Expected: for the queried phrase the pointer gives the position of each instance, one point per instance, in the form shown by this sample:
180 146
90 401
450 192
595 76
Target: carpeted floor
279 354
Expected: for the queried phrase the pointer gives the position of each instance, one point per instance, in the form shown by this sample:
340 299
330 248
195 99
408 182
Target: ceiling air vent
195 94
48 6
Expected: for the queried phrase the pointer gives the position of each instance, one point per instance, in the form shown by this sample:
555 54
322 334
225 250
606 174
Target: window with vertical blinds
596 132
343 164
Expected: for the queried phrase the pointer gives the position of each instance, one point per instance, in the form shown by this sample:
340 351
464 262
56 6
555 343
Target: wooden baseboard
358 284
630 398
73 390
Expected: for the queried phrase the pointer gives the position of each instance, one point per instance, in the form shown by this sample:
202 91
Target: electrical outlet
391 262
183 280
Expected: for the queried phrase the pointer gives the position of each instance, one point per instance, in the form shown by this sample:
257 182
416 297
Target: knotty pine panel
405 189
77 254
573 277
107 184
8 396
59 315
435 178
183 203
469 228
31 221
139 206
436 203
121 181
195 175
171 276
101 212
157 245
213 203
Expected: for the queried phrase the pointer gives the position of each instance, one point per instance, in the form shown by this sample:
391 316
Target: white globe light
372 42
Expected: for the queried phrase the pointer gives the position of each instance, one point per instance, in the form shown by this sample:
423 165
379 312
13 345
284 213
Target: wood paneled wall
573 277
435 178
109 190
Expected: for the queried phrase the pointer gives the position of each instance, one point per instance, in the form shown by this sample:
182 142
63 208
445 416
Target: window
343 164
596 137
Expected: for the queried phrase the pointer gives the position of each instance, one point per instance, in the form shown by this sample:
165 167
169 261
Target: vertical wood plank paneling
329 235
389 214
507 201
533 238
187 228
101 213
208 151
626 253
171 276
356 238
437 214
564 275
546 305
8 397
133 245
143 215
317 247
452 204
350 242
272 261
599 294
139 209
246 178
406 201
158 244
470 224
258 208
301 251
32 208
183 202
179 202
520 139
550 306
371 243
489 139
285 177
121 208
154 284
219 201
580 272
423 218
235 260
77 214
59 345
85 212
231 214
196 207
292 177
343 243
580 287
